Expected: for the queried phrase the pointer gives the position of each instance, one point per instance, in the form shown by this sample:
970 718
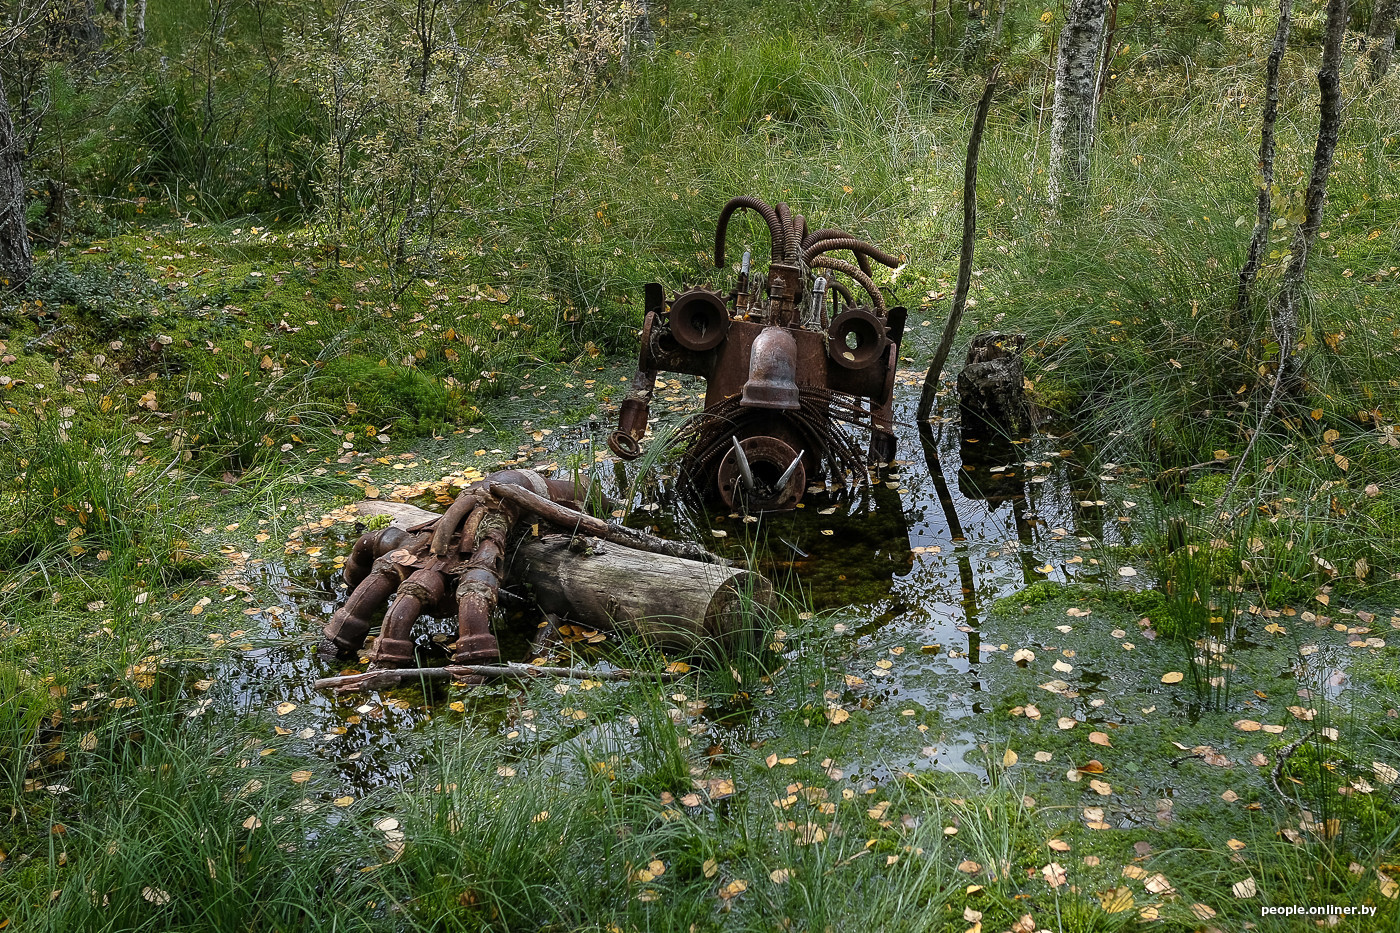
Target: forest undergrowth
273 276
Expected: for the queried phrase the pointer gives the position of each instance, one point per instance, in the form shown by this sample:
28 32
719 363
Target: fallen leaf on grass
1134 872
155 896
1202 911
1067 722
1008 759
733 889
969 867
1102 788
836 715
780 875
301 777
1054 874
1245 888
252 822
1384 772
1059 845
1173 677
1117 900
1100 738
1158 884
1247 725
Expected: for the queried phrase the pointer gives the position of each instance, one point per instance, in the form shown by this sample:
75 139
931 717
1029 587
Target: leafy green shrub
115 298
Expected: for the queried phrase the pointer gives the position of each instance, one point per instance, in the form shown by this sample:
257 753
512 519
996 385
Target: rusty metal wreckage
782 370
784 360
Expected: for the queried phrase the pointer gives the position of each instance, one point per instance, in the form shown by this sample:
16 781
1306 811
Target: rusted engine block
786 356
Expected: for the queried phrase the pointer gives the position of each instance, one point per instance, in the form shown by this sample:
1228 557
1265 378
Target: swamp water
892 630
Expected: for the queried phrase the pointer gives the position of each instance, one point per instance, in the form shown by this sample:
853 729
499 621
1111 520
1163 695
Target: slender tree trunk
1264 215
16 258
1108 55
138 22
1380 39
933 26
969 236
1284 317
1072 121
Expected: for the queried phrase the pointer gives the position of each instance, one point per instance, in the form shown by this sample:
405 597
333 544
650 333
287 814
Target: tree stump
991 386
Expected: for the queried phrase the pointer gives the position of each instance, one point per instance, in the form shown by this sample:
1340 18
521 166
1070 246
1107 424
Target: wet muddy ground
914 654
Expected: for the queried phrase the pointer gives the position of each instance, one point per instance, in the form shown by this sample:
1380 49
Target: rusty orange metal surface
790 357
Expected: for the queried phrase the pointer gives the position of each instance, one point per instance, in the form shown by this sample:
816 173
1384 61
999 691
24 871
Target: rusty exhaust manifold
781 368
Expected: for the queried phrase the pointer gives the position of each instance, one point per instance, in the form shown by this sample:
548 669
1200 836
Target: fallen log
374 680
669 601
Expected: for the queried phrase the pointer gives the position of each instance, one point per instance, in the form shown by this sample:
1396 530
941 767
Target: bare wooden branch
374 680
1264 214
950 330
568 519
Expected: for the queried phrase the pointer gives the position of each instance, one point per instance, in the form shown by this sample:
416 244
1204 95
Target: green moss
385 393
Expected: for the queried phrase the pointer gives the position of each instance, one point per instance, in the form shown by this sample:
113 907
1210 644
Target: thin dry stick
371 680
950 330
1284 317
1264 216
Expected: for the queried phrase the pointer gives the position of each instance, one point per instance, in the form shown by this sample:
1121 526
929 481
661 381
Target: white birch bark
1075 110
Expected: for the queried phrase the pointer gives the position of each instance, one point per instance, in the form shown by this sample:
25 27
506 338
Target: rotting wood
991 386
666 601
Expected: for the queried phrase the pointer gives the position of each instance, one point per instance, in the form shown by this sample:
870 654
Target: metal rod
787 474
745 472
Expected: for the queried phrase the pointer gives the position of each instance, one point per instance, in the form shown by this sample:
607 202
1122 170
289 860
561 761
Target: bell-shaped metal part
772 379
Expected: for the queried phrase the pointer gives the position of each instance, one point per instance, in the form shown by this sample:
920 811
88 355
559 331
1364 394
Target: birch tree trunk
1380 39
1076 86
16 259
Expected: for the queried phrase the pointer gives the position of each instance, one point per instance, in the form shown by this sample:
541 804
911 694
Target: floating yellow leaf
836 715
1102 788
343 801
1008 759
285 708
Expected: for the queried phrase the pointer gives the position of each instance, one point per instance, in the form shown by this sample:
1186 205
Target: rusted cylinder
857 339
423 590
477 591
699 319
367 549
772 381
345 632
778 474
